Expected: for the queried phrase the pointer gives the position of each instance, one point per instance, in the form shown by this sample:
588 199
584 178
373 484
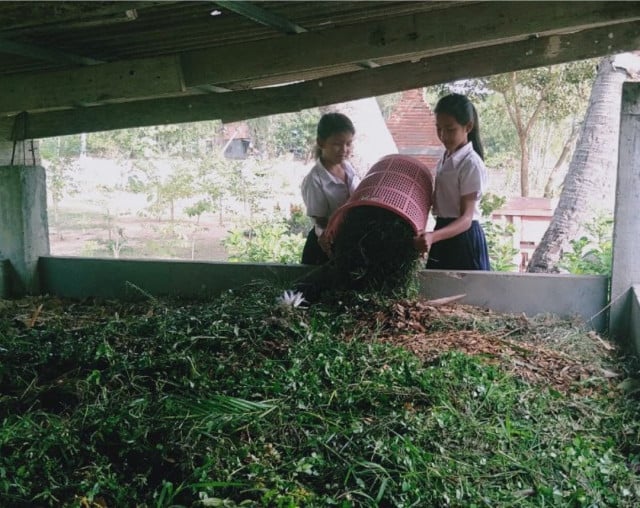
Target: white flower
291 299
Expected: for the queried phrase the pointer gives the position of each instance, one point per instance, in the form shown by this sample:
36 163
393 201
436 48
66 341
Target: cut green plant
358 401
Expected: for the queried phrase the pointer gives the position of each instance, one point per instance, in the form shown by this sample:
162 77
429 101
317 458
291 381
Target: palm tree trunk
596 152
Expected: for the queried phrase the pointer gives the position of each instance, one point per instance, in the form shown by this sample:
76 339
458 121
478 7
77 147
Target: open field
91 233
101 218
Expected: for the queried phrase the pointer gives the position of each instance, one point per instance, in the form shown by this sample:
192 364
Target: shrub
591 253
269 241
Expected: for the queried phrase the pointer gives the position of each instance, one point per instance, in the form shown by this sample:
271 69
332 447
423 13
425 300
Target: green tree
531 95
60 158
164 182
60 146
296 134
186 140
247 182
498 135
277 135
169 165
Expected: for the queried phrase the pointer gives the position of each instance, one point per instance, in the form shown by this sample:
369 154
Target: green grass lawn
241 402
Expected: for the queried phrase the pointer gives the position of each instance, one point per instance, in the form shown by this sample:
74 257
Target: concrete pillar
625 271
24 229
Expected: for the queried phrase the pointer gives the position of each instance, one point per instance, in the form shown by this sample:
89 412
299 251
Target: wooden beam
239 105
89 85
415 36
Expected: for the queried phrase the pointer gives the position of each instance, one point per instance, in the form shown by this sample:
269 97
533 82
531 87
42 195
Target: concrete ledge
634 320
582 296
4 278
78 277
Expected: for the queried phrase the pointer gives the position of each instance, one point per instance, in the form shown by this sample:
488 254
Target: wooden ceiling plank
411 36
34 17
241 105
48 55
280 23
460 27
262 16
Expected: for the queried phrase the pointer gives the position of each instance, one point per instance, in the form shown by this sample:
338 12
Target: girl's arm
467 205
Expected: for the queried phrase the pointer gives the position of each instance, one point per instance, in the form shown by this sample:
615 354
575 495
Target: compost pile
243 401
546 350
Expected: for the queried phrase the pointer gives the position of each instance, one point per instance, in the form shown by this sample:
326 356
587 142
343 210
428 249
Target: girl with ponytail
457 241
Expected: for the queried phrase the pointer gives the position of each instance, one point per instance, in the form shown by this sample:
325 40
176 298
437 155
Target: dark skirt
467 251
312 254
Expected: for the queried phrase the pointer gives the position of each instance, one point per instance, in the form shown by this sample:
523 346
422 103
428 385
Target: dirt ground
138 237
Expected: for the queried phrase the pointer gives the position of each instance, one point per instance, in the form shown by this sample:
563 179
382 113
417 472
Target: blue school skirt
467 251
312 253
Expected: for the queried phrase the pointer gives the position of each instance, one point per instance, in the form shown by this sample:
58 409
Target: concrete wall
24 231
634 319
111 278
625 269
531 294
4 278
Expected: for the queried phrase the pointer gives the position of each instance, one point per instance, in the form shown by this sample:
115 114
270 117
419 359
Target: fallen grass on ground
356 401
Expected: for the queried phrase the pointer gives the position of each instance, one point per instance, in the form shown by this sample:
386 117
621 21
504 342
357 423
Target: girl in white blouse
330 182
457 241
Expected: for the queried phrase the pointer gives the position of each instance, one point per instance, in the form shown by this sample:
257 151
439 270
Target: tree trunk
524 166
373 139
596 154
548 188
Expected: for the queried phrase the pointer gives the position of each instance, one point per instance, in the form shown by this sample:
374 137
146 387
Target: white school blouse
323 193
463 172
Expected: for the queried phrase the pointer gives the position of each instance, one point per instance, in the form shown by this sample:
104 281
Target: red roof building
413 127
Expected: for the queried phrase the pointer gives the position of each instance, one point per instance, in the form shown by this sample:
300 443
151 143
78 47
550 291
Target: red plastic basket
399 183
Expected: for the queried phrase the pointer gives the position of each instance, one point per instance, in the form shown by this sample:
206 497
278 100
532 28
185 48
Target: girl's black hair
461 108
330 124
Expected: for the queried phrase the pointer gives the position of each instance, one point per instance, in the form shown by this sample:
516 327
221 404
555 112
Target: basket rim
337 220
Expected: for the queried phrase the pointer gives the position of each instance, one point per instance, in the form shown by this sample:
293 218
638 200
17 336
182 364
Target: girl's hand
423 242
325 244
